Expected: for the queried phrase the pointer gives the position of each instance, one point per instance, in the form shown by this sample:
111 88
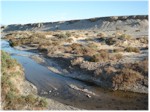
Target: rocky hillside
126 23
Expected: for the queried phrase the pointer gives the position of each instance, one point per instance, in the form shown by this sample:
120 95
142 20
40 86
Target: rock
50 91
89 96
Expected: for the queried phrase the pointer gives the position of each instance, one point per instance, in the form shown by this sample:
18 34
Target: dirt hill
128 24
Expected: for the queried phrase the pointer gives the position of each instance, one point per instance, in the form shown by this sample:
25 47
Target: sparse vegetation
61 35
124 36
126 77
102 56
99 53
118 56
12 97
101 35
110 41
132 49
77 61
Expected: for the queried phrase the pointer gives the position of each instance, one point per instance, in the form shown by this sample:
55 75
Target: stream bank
73 92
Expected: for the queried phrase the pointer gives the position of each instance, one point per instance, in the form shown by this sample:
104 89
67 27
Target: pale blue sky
16 12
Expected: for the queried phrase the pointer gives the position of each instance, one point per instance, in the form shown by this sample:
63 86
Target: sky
23 12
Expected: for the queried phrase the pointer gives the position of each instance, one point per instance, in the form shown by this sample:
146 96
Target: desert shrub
124 36
81 49
118 50
42 102
141 67
30 99
110 41
132 49
14 43
7 61
63 35
98 72
69 40
109 70
102 56
101 35
38 35
144 40
77 61
76 46
12 97
126 77
68 34
68 49
92 45
118 56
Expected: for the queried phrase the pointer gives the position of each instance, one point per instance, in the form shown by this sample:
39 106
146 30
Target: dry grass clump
63 35
132 49
141 67
104 55
79 49
38 35
77 61
105 73
124 36
143 40
93 45
118 56
70 40
98 72
123 76
126 78
118 50
19 38
110 41
131 74
76 46
101 56
12 79
101 35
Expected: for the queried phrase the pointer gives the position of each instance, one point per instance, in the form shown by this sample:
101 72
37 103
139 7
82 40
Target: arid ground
110 54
